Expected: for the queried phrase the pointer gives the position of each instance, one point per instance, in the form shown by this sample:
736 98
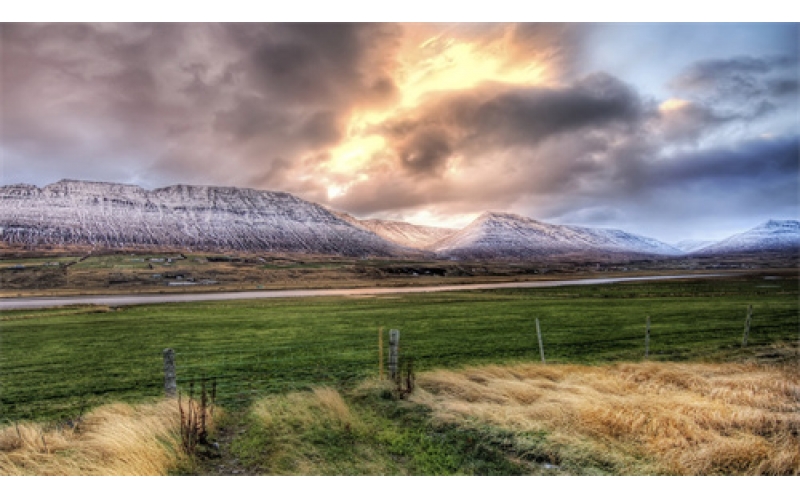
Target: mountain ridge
692 245
499 235
197 217
116 215
410 235
772 235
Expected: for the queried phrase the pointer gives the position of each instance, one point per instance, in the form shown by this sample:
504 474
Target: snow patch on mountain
502 235
769 236
120 216
403 233
692 245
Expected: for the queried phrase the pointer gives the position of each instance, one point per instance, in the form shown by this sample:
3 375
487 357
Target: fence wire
279 364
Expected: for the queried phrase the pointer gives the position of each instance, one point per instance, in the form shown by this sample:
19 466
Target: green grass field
55 362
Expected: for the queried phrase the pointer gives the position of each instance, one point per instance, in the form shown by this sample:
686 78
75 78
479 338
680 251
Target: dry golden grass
648 418
323 407
309 434
112 440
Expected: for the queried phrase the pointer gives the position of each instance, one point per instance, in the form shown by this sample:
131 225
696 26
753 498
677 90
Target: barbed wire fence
241 374
244 374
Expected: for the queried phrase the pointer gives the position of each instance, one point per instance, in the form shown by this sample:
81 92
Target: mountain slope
500 235
403 233
120 216
769 236
692 245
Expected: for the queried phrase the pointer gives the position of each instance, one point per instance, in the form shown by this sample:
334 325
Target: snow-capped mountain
692 245
403 233
186 217
501 235
121 216
769 236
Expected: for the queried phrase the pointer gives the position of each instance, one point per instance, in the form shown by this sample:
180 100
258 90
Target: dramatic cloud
743 76
432 123
473 121
743 86
189 102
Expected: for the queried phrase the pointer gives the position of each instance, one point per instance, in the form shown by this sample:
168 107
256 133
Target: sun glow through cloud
673 105
457 65
437 64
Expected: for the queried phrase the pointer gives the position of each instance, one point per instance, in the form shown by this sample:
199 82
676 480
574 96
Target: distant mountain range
208 218
501 235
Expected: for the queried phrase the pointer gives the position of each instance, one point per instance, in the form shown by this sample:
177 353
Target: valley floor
34 274
690 376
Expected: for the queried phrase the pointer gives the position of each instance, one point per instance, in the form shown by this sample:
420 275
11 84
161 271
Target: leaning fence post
647 338
380 353
747 325
170 382
539 334
394 344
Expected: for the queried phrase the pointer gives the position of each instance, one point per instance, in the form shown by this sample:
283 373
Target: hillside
689 246
403 233
773 235
501 235
119 216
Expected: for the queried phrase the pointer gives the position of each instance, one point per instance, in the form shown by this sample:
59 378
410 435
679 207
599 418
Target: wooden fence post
647 339
380 353
170 380
394 345
541 346
747 325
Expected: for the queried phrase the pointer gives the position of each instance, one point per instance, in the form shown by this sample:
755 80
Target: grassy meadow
297 386
60 362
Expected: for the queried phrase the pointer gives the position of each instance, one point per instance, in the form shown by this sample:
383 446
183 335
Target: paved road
122 300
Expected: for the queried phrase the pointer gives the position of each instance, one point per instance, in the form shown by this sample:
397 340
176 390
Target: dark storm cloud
297 66
530 115
749 161
332 64
425 151
496 116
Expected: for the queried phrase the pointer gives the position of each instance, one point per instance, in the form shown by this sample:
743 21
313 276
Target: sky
669 130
